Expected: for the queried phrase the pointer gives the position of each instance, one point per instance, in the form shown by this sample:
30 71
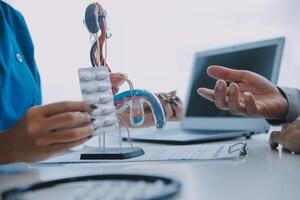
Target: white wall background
154 41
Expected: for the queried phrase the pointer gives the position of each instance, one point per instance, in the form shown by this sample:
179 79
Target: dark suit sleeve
293 97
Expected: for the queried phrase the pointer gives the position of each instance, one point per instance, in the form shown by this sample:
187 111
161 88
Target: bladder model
100 86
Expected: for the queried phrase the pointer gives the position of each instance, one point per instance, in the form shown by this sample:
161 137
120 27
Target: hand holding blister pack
96 89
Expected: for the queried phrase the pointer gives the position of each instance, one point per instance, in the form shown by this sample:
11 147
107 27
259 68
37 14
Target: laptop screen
259 60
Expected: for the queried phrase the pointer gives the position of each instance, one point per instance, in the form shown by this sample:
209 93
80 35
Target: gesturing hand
288 137
248 93
47 130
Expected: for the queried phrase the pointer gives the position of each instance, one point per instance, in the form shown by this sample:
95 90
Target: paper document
158 153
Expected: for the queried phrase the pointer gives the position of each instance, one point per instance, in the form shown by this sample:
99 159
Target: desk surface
265 174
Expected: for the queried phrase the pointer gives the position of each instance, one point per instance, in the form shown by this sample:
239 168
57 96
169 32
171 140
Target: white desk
266 174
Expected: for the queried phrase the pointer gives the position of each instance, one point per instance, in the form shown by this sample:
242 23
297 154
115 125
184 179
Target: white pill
103 88
101 75
87 76
89 87
109 122
92 99
105 98
107 110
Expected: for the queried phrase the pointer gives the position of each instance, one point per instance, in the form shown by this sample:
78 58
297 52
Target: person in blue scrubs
30 132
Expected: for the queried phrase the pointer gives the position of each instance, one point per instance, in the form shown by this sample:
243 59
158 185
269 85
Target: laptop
204 122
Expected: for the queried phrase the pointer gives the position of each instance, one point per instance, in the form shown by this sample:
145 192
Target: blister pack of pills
96 89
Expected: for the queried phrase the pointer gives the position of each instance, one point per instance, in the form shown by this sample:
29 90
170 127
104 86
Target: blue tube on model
147 97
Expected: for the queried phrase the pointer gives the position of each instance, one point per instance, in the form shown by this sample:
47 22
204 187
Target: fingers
168 109
284 127
221 94
67 120
165 100
206 93
252 108
234 104
275 139
57 148
232 75
286 150
295 123
115 90
62 107
288 137
224 100
229 99
69 135
178 110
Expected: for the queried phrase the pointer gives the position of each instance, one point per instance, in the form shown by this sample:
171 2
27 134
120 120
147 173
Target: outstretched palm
247 94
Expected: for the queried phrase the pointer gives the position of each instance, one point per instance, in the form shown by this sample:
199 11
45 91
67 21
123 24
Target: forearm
292 96
6 148
148 119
